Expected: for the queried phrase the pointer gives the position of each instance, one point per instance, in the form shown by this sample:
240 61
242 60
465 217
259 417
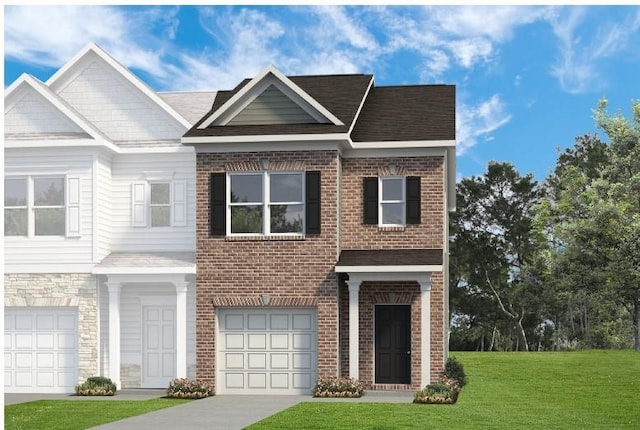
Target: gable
272 107
32 114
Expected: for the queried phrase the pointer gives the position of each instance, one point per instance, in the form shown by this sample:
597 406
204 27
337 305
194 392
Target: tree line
552 265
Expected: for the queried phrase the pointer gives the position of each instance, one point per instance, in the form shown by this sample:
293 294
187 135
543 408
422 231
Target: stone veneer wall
62 290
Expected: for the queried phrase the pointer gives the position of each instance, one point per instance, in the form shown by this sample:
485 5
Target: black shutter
218 204
312 203
413 200
370 201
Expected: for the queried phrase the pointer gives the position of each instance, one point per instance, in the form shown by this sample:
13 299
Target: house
322 211
99 219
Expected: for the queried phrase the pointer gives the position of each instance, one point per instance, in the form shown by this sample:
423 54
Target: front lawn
583 389
77 414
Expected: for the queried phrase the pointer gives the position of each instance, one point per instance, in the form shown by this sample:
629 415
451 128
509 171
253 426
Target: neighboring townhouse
322 239
99 219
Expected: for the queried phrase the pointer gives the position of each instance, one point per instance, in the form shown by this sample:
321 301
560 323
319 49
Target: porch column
114 332
425 329
181 329
354 327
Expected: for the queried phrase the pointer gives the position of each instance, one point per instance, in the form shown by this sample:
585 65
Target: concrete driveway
217 412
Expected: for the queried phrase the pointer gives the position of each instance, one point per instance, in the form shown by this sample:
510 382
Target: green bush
96 386
453 369
338 387
436 393
184 388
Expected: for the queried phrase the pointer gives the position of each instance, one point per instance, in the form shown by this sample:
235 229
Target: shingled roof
340 94
389 113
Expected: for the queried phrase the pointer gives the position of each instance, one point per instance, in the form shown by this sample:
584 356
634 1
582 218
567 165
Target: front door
159 353
393 344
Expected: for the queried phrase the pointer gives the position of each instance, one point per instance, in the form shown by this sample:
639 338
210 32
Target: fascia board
342 137
58 143
404 144
186 270
244 96
394 152
389 269
124 72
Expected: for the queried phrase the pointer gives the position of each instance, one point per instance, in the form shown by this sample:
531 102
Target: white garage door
264 351
40 350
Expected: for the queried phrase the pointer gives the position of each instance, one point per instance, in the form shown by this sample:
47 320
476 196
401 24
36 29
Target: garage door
270 351
40 350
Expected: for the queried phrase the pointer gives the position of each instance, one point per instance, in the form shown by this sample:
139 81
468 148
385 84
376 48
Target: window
159 204
38 206
15 207
266 203
391 201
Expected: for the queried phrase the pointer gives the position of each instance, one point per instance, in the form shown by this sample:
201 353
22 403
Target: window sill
391 228
265 238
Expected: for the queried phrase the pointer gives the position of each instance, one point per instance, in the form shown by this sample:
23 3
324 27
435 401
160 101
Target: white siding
116 107
127 169
272 107
52 249
104 194
33 114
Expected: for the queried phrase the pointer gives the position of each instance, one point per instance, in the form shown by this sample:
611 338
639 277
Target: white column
425 330
181 329
114 332
354 326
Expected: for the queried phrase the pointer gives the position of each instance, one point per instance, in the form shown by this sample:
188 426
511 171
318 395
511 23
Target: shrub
96 386
338 387
436 393
453 369
184 388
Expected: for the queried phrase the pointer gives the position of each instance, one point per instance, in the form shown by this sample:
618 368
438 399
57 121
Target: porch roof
124 263
390 260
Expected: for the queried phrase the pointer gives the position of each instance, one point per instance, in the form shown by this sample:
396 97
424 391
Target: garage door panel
234 322
257 322
44 360
44 322
44 341
257 341
265 351
23 322
279 341
40 350
302 341
66 341
302 381
24 341
279 322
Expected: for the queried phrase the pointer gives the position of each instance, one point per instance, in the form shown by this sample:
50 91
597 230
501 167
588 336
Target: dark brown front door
393 344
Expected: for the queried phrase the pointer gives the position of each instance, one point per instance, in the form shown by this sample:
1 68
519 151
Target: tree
492 246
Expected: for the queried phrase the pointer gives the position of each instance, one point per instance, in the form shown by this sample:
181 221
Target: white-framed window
264 203
159 204
47 205
392 205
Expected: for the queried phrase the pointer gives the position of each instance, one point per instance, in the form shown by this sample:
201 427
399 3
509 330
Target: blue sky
527 78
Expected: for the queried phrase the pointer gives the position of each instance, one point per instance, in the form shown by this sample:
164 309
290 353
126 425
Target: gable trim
57 78
56 102
269 76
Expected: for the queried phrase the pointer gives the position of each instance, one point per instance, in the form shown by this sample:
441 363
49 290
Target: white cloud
582 47
479 121
52 35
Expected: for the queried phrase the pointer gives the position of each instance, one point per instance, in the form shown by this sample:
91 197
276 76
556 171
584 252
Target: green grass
549 390
77 414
